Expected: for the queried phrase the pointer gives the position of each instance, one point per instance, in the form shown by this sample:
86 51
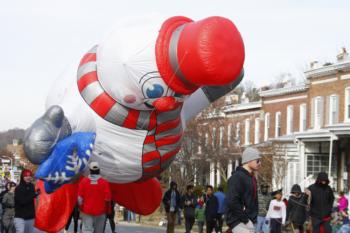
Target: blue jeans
344 229
261 225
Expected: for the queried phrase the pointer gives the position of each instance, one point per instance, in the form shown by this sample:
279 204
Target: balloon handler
126 107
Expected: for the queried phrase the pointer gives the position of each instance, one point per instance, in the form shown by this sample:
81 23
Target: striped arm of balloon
68 159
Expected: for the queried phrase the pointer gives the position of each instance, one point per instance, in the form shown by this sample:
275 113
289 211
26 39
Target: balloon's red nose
165 104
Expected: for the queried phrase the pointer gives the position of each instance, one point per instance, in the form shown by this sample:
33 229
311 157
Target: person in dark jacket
189 202
8 203
242 196
211 209
296 209
24 203
321 204
264 199
220 195
172 203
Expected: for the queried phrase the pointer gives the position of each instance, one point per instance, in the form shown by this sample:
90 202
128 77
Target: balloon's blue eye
155 91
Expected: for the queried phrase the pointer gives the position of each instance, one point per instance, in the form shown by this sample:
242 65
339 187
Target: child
199 214
277 212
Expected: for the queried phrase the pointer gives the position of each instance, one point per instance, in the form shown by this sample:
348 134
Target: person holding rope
296 209
321 204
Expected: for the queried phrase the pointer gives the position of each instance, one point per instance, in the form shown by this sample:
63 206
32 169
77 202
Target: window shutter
321 111
312 115
336 117
328 117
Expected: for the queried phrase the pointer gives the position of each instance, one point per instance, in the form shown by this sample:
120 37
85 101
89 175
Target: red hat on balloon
192 54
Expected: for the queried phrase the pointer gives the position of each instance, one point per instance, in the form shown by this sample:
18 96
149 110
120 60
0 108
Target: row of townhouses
303 128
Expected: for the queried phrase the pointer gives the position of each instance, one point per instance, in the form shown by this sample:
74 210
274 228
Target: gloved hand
68 158
44 133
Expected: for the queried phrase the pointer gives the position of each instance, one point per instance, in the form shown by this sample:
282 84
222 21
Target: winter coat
221 199
296 209
8 203
24 200
211 208
94 195
189 209
167 198
343 203
241 198
322 198
200 214
264 203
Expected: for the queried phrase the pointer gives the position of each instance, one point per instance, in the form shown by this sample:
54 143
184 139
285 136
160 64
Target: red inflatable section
53 210
140 197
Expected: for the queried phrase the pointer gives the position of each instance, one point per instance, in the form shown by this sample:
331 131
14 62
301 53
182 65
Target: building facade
304 128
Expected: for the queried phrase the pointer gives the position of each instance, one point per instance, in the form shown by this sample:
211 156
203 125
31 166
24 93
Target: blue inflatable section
69 157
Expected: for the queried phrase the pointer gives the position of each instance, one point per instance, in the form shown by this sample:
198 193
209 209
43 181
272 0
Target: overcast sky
41 38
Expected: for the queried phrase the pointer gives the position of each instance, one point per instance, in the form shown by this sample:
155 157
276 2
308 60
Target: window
213 139
347 104
206 139
278 124
318 108
221 135
302 118
333 109
267 126
247 132
290 119
238 133
257 131
229 134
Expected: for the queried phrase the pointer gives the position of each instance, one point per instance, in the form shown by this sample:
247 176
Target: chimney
314 65
343 55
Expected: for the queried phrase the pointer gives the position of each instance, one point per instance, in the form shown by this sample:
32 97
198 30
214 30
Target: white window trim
302 115
317 125
238 133
290 112
276 125
221 139
346 110
257 131
229 134
266 126
246 131
330 116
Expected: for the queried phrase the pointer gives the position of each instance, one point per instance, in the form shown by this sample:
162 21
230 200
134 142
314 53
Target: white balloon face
126 65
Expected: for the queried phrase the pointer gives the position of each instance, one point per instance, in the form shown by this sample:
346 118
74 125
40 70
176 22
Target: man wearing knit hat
242 196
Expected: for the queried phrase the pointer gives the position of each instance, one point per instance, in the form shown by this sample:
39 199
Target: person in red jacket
94 198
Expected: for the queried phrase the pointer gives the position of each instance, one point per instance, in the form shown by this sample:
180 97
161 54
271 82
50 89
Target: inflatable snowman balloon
126 106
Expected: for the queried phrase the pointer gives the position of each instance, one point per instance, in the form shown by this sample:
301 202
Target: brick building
306 125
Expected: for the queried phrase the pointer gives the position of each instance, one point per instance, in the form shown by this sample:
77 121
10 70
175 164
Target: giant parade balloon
125 105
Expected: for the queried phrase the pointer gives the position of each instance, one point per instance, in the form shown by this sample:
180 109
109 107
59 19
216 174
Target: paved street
127 228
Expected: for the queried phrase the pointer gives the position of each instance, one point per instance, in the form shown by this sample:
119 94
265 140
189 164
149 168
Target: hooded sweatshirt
297 205
322 197
24 200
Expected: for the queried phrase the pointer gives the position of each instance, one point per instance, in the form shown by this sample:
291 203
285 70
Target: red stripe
152 120
150 156
168 125
170 154
152 169
131 120
149 139
87 58
102 104
86 79
168 140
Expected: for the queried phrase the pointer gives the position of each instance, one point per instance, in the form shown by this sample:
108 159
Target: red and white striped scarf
163 140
